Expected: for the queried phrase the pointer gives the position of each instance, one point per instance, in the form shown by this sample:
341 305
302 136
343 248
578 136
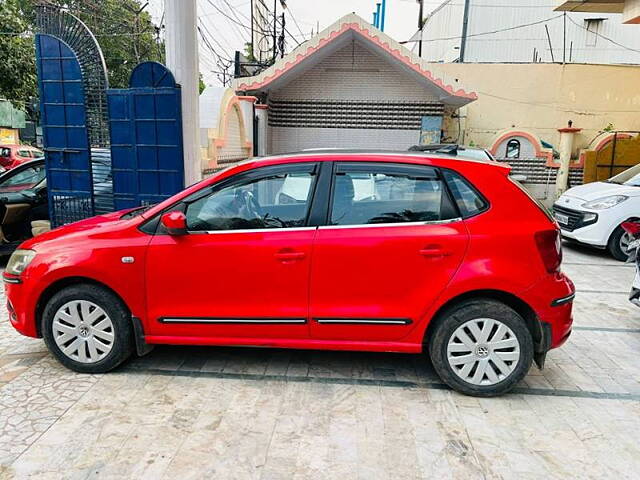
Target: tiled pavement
243 413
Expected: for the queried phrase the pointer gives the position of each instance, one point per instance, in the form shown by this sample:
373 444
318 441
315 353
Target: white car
592 213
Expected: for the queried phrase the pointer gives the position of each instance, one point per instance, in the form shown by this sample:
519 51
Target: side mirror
175 223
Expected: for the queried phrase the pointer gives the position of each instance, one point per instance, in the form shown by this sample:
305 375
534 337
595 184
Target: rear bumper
552 301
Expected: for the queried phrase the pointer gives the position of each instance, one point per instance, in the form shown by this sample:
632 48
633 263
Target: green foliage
17 68
123 29
609 128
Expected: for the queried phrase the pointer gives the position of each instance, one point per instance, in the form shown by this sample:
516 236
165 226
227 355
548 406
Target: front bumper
583 226
19 300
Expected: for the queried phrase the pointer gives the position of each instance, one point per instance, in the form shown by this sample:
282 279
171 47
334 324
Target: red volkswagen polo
338 251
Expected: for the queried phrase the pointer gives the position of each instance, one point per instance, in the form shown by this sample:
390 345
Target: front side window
280 200
5 152
374 194
27 177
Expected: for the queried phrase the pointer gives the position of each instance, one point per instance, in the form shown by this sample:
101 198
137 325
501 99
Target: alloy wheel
625 241
483 351
83 331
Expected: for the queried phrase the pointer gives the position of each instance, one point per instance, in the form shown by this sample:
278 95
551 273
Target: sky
401 22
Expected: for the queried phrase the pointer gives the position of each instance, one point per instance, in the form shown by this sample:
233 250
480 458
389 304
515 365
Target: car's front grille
576 218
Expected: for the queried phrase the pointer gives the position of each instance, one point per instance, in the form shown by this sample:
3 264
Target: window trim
257 173
487 204
391 168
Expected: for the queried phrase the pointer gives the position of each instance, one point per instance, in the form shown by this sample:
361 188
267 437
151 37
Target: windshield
629 177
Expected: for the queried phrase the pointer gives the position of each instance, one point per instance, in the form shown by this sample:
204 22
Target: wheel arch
521 307
63 283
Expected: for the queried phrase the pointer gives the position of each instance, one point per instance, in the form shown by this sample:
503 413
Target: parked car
593 213
439 254
632 227
23 197
13 155
472 153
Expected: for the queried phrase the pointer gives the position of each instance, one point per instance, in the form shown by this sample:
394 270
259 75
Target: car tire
614 245
88 329
482 368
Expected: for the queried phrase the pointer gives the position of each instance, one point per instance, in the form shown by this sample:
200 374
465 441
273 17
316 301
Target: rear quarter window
469 200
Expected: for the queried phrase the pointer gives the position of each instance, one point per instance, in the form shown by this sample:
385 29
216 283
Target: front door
242 271
392 244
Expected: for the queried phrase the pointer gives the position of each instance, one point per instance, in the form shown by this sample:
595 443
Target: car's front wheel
481 347
618 245
88 329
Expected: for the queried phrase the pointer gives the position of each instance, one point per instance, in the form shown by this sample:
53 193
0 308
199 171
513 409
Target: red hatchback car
337 251
13 155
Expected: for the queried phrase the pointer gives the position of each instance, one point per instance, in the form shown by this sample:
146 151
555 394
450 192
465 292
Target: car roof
328 154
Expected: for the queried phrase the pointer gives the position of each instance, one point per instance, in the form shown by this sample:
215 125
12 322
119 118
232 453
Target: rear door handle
434 251
289 256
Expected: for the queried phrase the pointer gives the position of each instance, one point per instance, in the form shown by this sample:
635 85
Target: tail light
550 248
632 228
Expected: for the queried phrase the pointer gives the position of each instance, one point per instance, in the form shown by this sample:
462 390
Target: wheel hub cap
483 351
83 331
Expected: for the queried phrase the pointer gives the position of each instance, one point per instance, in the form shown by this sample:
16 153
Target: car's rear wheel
481 347
88 329
618 245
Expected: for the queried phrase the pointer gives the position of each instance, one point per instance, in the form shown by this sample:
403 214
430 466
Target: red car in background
389 252
13 155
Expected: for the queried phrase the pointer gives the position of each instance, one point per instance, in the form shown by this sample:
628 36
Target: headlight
605 202
20 259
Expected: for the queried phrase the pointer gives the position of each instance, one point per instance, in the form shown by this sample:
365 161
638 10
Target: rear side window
5 152
372 194
469 201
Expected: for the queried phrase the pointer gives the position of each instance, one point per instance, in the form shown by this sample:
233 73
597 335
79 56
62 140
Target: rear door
392 243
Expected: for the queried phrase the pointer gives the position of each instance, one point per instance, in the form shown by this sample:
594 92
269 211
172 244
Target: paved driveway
243 413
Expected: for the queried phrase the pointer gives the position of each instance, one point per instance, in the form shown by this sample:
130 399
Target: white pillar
181 49
566 147
263 119
246 107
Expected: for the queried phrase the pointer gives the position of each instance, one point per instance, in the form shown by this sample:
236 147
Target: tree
17 67
124 30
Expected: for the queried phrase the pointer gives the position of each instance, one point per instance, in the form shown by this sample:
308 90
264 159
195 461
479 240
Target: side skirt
302 344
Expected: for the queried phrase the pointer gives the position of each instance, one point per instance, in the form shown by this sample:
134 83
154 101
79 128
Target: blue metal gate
146 137
64 130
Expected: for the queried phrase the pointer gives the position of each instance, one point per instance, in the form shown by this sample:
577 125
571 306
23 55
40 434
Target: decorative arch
59 23
539 150
231 143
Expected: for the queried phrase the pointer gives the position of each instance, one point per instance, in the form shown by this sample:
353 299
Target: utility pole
281 37
275 31
420 26
181 49
465 24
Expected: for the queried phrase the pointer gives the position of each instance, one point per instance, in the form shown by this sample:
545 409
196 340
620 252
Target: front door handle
289 256
434 251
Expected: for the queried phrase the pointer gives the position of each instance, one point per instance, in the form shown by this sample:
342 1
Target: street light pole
181 50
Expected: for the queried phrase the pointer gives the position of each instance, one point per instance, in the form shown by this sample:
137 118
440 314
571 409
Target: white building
516 31
349 86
